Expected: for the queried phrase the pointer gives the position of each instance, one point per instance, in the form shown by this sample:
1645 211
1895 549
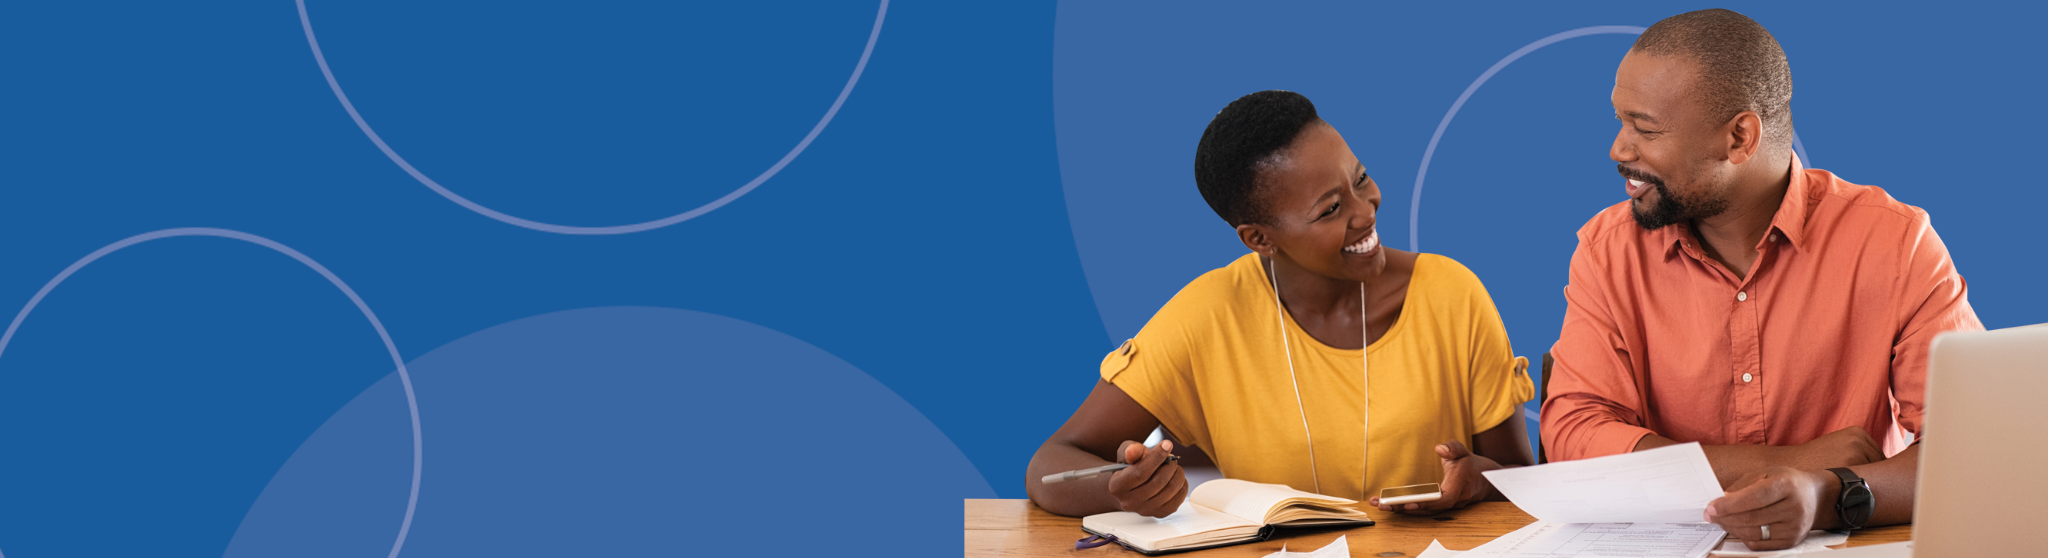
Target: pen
1085 473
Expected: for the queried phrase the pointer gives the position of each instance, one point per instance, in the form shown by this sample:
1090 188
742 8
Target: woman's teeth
1371 241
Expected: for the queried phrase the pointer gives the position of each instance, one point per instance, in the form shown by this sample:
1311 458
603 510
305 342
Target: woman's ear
1255 238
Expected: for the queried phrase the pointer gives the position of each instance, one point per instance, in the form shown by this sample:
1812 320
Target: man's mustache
1633 174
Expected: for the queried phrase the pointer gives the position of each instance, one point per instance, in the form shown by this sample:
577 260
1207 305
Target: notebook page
1253 501
1190 522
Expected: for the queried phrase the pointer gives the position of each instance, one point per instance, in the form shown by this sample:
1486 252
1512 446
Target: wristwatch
1856 503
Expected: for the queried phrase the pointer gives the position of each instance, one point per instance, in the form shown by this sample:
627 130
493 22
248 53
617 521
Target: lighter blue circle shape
1415 202
404 377
307 23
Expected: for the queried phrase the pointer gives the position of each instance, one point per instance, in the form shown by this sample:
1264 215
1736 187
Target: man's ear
1745 135
1255 238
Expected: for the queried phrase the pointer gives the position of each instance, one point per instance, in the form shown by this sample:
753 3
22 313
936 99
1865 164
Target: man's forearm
1847 447
1891 483
1730 462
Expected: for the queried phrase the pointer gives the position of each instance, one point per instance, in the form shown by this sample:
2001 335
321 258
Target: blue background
898 317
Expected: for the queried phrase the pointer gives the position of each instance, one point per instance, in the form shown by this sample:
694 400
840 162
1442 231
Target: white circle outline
307 23
411 403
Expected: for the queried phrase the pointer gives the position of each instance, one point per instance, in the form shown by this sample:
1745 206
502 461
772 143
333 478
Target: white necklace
1272 273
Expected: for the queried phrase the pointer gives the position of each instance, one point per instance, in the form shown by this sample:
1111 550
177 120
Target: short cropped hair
1247 135
1741 66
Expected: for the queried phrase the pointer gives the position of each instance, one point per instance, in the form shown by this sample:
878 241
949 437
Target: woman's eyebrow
1331 193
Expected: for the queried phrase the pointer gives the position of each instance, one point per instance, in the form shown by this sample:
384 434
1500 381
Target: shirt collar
1677 237
1792 213
1790 220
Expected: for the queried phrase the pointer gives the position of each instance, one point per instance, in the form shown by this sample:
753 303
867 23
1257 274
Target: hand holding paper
1782 497
1671 484
1643 504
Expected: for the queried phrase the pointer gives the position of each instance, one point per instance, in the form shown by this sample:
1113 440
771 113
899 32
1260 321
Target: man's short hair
1741 66
1245 137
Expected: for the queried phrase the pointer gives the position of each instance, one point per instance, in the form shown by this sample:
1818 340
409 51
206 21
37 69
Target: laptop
1981 485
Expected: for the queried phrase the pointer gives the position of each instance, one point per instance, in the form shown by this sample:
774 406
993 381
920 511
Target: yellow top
1210 366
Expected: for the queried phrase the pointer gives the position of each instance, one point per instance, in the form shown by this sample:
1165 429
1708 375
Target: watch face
1856 505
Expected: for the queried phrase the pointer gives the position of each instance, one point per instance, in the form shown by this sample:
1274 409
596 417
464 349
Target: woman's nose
1365 216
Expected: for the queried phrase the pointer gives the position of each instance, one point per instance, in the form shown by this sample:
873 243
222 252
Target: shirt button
1740 296
1774 237
1745 377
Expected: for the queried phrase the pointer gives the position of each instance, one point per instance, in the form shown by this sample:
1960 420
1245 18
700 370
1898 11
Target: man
1775 314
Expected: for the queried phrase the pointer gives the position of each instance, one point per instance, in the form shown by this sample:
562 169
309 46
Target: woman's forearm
1071 498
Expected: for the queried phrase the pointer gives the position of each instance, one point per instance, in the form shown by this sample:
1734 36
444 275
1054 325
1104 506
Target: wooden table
1018 528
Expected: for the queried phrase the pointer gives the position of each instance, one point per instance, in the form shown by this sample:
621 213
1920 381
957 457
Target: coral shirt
1213 367
1830 327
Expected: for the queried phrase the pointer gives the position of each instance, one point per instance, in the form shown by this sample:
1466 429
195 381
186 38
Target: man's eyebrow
1642 116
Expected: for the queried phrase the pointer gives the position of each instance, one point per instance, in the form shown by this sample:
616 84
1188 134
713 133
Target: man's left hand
1787 500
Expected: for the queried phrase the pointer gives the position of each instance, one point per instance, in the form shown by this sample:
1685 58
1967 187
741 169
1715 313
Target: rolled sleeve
1500 380
1937 301
1593 403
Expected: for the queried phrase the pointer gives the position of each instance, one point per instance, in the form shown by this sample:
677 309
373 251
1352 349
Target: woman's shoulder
1452 313
1442 279
1441 268
1217 294
1222 286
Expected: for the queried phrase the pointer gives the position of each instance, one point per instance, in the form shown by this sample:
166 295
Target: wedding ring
1767 533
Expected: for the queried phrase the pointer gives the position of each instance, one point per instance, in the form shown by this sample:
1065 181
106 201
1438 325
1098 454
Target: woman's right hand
1153 486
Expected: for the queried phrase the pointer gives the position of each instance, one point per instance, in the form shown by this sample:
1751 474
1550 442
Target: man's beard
1671 209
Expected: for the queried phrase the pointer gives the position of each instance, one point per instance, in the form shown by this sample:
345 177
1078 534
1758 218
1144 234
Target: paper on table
1436 550
1816 541
1500 544
1671 484
1336 549
1545 539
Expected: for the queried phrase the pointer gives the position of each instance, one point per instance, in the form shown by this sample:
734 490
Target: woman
1265 362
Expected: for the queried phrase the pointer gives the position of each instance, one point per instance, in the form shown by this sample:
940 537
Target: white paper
1499 544
1671 484
1816 541
1436 550
1336 549
1545 539
1190 519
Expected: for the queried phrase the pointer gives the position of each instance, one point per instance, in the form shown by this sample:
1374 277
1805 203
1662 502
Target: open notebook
1224 512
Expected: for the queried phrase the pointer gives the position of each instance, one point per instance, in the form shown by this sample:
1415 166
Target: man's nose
1621 151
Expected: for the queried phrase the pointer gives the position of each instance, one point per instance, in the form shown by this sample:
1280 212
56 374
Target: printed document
1646 504
1816 541
1545 539
1671 484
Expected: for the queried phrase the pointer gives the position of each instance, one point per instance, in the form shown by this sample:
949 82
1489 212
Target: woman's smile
1368 247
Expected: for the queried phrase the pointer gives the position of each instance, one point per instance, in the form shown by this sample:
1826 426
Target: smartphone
1411 494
